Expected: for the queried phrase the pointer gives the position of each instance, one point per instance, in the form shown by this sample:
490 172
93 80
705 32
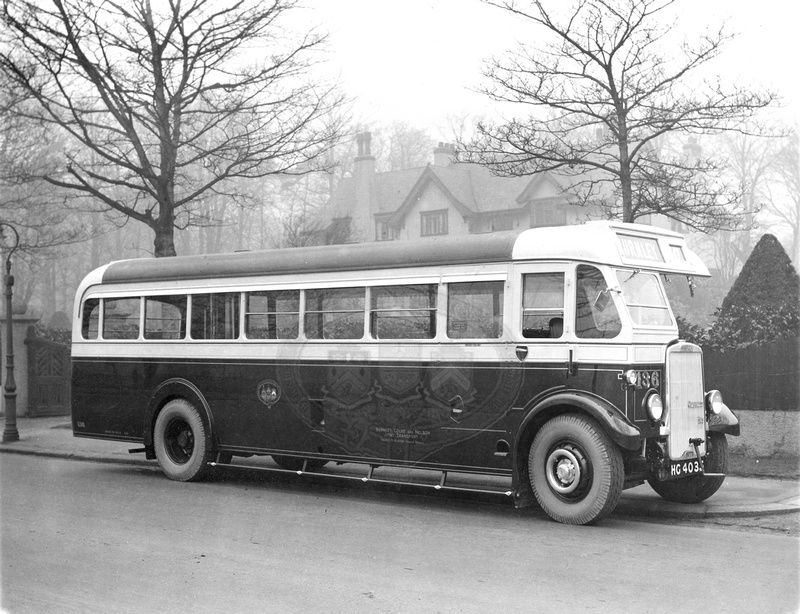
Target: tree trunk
624 167
164 242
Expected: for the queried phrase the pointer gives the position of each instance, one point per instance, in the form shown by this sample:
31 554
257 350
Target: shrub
763 303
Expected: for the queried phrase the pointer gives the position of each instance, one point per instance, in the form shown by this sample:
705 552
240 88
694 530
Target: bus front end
689 460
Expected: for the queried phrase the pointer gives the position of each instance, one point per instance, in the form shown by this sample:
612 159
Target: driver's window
596 315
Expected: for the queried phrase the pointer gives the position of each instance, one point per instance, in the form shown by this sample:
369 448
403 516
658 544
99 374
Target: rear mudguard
615 424
175 388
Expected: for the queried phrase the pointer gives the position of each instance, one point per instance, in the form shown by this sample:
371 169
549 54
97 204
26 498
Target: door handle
456 408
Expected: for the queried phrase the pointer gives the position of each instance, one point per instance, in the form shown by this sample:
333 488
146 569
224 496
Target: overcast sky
417 60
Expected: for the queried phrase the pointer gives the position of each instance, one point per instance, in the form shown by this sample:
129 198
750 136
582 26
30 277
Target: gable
427 187
541 185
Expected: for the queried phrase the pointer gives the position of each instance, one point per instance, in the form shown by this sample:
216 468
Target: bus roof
599 242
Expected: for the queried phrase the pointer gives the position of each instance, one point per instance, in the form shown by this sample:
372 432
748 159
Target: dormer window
433 223
385 232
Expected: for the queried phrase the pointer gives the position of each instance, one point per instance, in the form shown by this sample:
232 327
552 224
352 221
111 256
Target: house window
433 223
548 214
384 232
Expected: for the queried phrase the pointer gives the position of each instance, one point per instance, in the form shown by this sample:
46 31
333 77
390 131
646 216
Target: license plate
681 469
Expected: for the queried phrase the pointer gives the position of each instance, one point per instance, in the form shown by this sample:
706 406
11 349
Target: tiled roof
392 188
474 188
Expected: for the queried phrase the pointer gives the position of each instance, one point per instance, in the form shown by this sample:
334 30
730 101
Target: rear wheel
575 470
698 488
180 442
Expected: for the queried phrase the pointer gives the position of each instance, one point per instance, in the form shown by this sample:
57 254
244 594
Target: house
442 198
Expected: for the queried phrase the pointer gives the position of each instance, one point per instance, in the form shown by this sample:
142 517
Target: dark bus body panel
460 417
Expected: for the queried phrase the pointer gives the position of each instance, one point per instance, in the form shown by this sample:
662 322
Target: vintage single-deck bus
549 356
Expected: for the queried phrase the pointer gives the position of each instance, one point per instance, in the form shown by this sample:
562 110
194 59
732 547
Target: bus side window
90 319
335 313
121 318
215 316
404 312
272 315
475 310
594 318
165 317
543 305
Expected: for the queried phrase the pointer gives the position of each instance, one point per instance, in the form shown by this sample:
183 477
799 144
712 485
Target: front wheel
575 470
698 488
180 442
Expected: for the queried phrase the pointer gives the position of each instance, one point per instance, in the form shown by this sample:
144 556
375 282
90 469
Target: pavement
739 496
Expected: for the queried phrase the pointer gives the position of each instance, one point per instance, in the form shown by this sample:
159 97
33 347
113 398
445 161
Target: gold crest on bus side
268 392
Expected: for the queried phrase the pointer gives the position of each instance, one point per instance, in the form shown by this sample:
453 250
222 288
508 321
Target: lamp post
10 433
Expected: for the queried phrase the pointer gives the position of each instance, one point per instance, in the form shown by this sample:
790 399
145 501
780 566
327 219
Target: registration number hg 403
683 468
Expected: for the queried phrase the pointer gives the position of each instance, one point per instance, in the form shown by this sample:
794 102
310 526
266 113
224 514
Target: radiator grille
686 413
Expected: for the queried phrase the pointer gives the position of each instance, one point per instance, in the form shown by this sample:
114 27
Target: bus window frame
334 287
628 306
193 292
84 322
246 292
623 316
531 268
140 318
503 312
373 312
184 322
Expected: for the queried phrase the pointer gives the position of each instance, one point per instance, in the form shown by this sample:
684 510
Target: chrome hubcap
564 469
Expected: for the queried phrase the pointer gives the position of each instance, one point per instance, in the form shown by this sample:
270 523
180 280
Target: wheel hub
179 441
565 469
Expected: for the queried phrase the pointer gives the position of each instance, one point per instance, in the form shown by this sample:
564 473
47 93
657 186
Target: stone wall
767 433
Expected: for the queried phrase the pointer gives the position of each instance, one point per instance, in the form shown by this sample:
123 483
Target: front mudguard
724 422
621 431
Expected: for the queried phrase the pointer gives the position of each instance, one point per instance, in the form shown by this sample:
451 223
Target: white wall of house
432 199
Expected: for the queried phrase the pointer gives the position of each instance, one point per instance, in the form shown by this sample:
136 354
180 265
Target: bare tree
783 201
408 147
27 150
748 161
604 86
168 103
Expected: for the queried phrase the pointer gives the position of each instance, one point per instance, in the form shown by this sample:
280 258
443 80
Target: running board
370 478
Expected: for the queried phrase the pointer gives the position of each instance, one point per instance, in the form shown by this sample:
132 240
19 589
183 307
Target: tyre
698 488
575 470
293 463
181 442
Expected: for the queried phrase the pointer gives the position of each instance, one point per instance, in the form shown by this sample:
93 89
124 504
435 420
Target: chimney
692 149
363 212
443 154
364 140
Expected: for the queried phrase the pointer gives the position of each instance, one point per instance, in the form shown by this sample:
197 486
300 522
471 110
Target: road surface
90 537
